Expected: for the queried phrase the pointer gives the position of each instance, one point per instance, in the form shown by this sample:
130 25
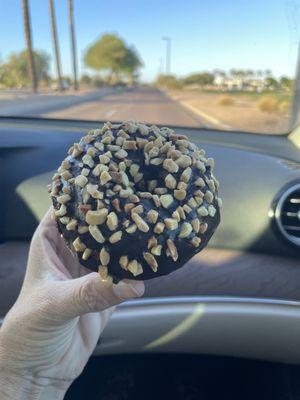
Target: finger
89 293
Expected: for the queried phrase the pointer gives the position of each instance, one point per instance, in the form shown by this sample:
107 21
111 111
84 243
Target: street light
168 54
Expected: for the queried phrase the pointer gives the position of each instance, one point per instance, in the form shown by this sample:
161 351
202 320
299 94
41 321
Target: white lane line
213 120
110 113
206 116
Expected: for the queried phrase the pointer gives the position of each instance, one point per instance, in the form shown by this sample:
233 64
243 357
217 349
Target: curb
213 121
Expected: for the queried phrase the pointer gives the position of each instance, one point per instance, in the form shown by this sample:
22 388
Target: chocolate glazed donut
134 201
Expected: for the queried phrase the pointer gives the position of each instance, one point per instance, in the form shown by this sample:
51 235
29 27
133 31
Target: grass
270 102
225 100
280 96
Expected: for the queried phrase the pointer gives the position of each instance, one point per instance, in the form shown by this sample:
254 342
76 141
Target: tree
240 73
202 79
110 53
167 82
73 44
268 72
86 79
219 72
14 73
286 83
271 82
30 53
131 64
55 44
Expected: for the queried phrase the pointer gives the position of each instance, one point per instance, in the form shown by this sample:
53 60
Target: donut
135 201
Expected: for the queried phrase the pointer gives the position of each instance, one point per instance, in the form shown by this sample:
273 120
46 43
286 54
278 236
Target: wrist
14 387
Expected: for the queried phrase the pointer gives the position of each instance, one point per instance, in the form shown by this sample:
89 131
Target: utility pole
161 66
294 118
73 44
168 54
30 58
55 43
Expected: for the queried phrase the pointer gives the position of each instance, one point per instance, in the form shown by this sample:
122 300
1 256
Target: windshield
226 65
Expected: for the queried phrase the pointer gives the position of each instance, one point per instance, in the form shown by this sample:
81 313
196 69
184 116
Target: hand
49 334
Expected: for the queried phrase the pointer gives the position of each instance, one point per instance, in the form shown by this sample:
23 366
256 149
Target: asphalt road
144 104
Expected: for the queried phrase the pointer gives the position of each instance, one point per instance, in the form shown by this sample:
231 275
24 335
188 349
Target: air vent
287 214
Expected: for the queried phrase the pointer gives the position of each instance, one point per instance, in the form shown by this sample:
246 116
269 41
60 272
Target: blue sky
205 34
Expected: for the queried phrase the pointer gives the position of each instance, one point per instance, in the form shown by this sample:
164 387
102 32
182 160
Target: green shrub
284 106
86 79
168 82
225 100
268 104
201 78
98 82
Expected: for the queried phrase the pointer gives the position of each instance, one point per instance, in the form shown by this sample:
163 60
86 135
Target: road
143 104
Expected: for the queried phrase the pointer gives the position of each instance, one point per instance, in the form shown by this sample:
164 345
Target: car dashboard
240 296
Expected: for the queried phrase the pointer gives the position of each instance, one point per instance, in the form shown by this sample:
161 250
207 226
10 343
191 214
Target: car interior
224 326
231 311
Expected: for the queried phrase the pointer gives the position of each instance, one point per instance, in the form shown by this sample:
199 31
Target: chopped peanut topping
112 221
123 262
152 216
115 237
78 245
141 224
150 259
81 180
166 200
104 256
96 233
159 227
171 223
185 230
172 249
97 217
170 165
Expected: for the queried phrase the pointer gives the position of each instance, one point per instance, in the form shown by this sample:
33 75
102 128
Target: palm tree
268 72
250 73
31 64
259 73
55 43
73 44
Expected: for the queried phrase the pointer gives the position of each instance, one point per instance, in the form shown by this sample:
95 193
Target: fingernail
138 287
126 290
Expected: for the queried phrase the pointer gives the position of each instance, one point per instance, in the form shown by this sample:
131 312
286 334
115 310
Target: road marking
206 116
110 113
213 120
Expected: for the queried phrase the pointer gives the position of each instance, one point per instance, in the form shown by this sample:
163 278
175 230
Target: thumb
89 293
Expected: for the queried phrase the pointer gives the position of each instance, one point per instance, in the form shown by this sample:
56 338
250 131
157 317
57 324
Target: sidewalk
23 103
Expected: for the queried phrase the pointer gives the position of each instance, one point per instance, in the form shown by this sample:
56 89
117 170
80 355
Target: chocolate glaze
133 245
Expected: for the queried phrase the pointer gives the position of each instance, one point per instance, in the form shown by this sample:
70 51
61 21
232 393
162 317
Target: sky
205 35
